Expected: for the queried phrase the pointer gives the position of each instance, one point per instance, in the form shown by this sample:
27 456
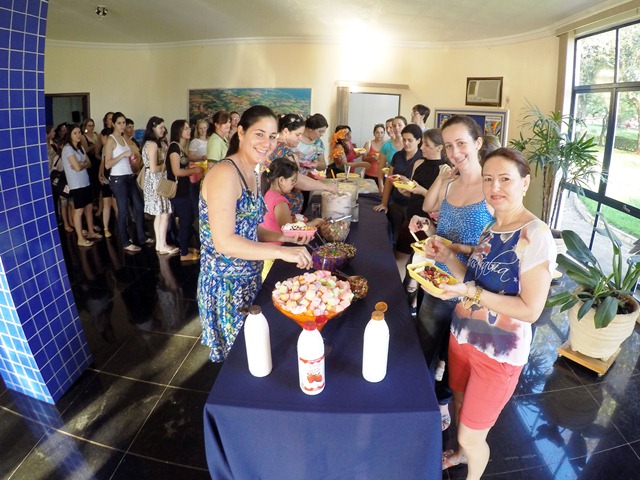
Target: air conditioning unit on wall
485 91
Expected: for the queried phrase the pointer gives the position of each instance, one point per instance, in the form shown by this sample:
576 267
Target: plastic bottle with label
375 350
258 342
311 360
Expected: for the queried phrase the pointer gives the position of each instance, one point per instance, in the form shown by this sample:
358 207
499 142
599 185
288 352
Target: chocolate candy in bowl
335 230
332 256
359 286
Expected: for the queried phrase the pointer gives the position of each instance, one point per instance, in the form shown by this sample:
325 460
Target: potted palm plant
564 157
601 309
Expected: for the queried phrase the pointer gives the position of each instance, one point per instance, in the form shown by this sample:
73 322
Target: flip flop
191 257
87 243
446 463
170 251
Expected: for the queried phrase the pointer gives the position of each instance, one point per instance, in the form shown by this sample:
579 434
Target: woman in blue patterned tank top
231 209
463 213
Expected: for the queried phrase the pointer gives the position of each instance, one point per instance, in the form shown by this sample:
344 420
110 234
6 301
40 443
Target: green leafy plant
553 149
605 293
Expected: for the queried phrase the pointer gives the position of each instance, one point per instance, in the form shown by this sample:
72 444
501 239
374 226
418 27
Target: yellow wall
146 82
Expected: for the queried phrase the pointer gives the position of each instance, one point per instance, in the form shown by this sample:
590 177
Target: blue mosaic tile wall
43 349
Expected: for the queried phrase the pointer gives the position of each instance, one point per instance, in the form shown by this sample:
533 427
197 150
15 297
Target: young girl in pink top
278 180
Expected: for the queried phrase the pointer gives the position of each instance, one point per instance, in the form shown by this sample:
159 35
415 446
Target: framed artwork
492 122
484 91
203 103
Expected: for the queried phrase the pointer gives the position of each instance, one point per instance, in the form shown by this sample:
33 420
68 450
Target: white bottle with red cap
375 350
311 360
258 342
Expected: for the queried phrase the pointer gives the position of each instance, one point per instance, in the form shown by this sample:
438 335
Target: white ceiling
419 22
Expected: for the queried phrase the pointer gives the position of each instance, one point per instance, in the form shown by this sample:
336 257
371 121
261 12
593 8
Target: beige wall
146 82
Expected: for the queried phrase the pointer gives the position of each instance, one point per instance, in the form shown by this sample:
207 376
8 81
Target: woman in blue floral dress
231 208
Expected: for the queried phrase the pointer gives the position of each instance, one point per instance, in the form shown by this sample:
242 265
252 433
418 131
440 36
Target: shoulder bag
167 188
58 179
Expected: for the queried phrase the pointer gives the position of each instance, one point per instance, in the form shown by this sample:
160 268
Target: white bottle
258 343
439 373
375 350
311 360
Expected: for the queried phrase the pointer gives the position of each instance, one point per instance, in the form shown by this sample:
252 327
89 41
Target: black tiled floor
137 412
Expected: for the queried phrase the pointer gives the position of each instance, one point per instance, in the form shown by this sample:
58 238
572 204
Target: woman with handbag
178 171
76 164
153 157
117 157
55 165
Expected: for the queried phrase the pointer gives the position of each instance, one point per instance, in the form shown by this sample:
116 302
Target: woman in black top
177 162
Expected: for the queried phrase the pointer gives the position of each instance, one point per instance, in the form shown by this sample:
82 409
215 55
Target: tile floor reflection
137 413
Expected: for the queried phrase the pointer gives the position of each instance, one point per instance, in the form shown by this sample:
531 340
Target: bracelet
475 300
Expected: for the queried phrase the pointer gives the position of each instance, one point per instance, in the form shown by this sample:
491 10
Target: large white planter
602 342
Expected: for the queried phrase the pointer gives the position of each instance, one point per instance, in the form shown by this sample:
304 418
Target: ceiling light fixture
101 11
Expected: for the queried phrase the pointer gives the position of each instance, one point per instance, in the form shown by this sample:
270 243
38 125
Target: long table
267 428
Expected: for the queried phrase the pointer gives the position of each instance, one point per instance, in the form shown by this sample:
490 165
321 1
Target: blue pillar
43 349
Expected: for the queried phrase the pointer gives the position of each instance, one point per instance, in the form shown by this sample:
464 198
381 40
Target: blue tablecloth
267 428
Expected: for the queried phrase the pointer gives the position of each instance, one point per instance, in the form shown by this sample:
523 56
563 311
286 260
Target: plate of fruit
312 294
430 276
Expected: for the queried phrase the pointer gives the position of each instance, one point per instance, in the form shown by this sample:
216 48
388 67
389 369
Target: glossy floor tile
137 412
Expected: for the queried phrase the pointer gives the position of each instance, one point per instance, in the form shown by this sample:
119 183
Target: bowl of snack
332 256
445 241
297 229
359 151
410 185
344 175
418 246
313 294
430 276
385 170
335 230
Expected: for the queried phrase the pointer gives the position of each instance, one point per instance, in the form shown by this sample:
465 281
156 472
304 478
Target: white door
367 109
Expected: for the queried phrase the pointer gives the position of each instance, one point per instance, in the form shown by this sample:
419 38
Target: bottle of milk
375 350
258 342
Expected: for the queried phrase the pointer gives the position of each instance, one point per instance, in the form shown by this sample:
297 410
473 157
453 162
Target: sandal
86 243
191 257
107 233
132 248
446 420
446 459
95 236
149 241
68 229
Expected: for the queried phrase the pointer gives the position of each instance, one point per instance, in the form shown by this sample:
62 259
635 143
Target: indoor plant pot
599 300
600 342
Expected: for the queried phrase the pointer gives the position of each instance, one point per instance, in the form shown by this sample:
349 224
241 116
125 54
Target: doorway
66 107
